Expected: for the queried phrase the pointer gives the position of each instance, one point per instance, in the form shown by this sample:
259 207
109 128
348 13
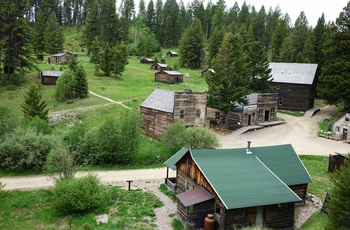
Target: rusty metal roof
194 196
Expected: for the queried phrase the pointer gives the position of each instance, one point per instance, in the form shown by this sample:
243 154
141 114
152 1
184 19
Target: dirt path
110 100
301 132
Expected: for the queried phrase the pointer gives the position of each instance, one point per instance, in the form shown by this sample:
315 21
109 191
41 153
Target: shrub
8 121
175 137
201 138
79 195
39 124
25 149
65 86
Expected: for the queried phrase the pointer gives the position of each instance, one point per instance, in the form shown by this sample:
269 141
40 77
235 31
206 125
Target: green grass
317 221
292 113
166 191
32 210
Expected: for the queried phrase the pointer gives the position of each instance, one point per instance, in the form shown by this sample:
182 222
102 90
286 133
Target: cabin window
273 112
217 115
182 113
337 129
289 87
260 114
347 119
280 101
217 209
239 213
198 113
189 186
278 86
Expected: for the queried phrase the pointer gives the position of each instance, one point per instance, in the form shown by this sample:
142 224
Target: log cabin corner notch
248 186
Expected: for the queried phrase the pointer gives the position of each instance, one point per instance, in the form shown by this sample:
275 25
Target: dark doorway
345 134
267 115
249 118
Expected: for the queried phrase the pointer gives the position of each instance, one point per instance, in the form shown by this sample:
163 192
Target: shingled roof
297 73
160 99
255 178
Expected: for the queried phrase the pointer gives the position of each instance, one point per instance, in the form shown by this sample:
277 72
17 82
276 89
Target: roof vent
282 71
290 72
248 151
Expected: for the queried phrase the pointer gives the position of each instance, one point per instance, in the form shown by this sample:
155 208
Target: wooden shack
146 61
207 72
241 187
341 128
49 77
172 54
164 107
60 58
336 161
159 66
261 108
295 84
167 76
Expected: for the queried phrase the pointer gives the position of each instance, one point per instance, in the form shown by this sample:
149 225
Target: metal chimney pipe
249 144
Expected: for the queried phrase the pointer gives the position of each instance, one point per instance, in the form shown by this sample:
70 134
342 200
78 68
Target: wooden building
207 71
49 77
159 66
295 84
60 58
146 61
336 161
261 108
242 187
167 76
172 54
341 128
163 107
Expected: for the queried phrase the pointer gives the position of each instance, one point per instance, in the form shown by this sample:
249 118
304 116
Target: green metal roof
343 154
171 162
240 179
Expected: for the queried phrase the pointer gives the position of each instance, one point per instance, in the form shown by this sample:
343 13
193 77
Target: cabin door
267 115
345 134
249 119
259 217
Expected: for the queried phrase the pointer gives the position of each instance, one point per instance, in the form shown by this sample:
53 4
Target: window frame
182 114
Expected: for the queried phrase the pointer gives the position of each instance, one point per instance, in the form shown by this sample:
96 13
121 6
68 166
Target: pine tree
214 43
53 35
287 51
191 45
319 36
300 32
81 88
334 81
259 27
111 30
73 63
119 59
338 206
39 33
92 27
33 104
105 63
261 73
230 82
278 37
150 14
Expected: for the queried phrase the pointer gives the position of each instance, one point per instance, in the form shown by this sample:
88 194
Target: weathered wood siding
48 80
279 216
157 67
335 162
301 191
296 97
155 122
60 59
166 78
267 102
190 108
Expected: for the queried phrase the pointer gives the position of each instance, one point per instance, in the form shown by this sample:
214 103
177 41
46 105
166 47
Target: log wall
155 122
166 78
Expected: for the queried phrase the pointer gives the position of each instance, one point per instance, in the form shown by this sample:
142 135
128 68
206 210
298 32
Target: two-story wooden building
164 107
295 84
242 187
261 107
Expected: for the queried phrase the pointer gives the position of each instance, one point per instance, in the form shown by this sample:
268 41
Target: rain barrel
209 222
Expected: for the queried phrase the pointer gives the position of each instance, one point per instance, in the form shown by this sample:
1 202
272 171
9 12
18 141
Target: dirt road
301 132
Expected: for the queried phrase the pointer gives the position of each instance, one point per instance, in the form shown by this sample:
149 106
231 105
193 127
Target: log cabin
49 77
258 186
207 72
295 84
172 54
164 107
159 66
341 128
336 161
60 58
167 76
146 61
261 107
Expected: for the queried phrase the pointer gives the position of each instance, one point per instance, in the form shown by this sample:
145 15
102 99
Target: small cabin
336 161
341 128
241 187
170 77
172 54
164 107
49 77
207 72
295 84
60 58
146 61
159 66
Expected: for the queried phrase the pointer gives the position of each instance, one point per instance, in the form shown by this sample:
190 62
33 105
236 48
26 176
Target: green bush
25 149
80 195
8 121
39 124
201 138
175 137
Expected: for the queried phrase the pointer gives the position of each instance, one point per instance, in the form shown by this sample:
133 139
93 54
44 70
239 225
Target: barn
253 186
295 84
159 66
146 61
167 76
172 54
49 77
164 107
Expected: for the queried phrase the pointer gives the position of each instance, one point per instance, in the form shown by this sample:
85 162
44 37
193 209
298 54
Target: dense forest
33 27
